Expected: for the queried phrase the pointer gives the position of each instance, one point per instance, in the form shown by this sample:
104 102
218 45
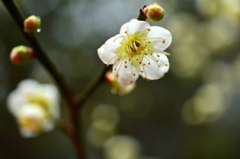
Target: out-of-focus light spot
105 112
183 27
230 8
190 115
207 105
218 34
189 60
104 119
206 7
219 73
122 147
87 110
99 132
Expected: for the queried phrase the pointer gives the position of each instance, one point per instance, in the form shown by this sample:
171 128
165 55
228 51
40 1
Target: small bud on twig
116 88
154 12
32 24
21 55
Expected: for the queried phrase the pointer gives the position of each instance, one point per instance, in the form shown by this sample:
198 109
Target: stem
71 132
87 92
141 15
56 75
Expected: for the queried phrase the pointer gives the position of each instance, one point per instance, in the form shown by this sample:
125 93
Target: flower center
31 123
134 46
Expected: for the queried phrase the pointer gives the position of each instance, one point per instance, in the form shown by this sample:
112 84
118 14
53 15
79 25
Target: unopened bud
32 24
116 88
21 55
154 12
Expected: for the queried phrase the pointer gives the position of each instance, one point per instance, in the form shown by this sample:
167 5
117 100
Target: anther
107 65
131 81
118 59
166 64
125 32
125 61
148 29
134 74
116 75
158 55
168 54
156 60
148 79
163 41
125 66
149 63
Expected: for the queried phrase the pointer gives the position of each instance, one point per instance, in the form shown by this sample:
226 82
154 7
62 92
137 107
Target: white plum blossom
33 120
30 91
137 50
35 106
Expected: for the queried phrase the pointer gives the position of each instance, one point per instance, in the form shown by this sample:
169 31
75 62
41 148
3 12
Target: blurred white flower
30 91
33 120
122 147
137 50
35 106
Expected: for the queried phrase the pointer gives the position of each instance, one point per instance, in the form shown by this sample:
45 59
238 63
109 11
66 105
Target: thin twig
87 92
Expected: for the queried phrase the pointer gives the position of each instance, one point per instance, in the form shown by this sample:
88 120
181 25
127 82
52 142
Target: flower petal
106 51
159 32
52 97
154 67
125 73
134 26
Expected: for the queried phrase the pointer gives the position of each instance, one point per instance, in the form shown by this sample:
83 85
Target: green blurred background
191 113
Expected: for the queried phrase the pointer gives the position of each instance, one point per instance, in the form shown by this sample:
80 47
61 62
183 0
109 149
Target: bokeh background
191 113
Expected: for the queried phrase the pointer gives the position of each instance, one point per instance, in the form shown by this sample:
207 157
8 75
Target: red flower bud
21 55
32 24
154 12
